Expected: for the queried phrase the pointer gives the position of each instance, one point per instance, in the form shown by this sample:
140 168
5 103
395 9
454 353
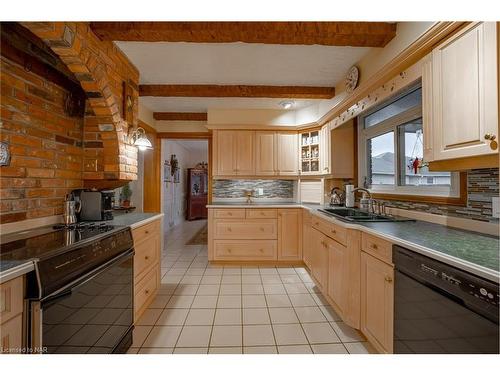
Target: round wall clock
352 78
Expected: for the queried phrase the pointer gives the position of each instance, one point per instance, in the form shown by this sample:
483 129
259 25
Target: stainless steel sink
356 215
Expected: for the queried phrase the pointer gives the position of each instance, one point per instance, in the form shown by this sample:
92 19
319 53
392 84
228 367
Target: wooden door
377 302
465 92
319 259
306 238
290 234
338 274
288 154
265 153
225 151
245 152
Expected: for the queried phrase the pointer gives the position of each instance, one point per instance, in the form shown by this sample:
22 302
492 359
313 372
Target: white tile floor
203 308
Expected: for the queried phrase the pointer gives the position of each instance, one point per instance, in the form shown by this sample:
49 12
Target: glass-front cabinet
310 152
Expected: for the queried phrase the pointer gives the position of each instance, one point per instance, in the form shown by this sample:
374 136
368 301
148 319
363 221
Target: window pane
408 101
411 138
381 159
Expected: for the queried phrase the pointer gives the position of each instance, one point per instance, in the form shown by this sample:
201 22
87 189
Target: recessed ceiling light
287 104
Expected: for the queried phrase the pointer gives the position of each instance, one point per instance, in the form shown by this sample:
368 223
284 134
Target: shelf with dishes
309 152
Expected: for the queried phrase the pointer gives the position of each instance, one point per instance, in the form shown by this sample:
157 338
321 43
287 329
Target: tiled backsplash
482 185
272 189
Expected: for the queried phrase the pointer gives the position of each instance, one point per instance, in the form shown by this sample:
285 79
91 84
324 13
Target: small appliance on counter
94 205
71 209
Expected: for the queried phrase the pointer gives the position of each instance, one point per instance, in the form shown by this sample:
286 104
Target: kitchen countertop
471 251
10 269
134 219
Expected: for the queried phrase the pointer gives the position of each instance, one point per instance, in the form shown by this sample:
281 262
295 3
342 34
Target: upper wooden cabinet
287 157
255 153
234 152
341 150
460 89
265 154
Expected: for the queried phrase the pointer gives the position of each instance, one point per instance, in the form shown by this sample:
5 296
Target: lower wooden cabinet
147 245
11 316
377 302
338 275
319 259
306 238
290 234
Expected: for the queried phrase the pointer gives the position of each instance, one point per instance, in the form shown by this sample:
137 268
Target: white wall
174 194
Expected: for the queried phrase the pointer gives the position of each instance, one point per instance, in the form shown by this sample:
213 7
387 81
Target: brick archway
101 69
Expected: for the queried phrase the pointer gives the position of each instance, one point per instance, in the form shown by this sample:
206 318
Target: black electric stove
81 293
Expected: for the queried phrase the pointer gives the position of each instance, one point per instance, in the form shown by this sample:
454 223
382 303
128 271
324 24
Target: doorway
185 180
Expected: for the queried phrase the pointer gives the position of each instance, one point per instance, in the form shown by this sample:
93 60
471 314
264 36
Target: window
391 150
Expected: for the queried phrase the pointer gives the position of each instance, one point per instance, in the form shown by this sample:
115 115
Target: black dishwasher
441 309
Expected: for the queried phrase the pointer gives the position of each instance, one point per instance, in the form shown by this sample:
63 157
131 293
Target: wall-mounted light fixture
138 138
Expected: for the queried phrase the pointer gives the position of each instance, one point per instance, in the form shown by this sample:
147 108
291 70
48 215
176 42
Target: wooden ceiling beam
238 91
355 34
180 116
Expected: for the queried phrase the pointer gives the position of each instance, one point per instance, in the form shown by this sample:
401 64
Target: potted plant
125 195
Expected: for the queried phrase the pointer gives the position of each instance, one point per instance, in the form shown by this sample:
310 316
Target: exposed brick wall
101 69
45 144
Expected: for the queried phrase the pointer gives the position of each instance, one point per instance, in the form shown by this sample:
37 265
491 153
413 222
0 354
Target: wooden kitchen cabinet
325 149
463 94
11 315
147 245
319 259
338 275
234 153
377 302
341 151
306 238
265 153
287 157
290 234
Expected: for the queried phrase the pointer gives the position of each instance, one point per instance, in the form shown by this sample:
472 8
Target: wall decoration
167 171
128 103
4 154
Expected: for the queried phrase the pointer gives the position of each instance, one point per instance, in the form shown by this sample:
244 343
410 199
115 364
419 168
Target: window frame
392 124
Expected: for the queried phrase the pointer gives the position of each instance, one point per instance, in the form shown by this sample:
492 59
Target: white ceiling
236 64
194 146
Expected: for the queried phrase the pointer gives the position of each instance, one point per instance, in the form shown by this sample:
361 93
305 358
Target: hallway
204 308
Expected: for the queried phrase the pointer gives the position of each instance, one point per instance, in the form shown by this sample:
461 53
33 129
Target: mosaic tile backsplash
482 185
273 189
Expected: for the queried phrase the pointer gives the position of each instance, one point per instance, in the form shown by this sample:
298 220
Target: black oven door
94 314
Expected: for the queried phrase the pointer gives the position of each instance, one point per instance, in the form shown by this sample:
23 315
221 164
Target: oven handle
67 290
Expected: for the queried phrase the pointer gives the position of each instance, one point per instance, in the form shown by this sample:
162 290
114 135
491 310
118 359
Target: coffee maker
94 205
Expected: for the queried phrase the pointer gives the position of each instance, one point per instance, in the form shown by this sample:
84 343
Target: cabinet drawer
147 253
11 299
245 250
145 290
234 213
265 229
11 335
377 247
262 214
334 231
144 231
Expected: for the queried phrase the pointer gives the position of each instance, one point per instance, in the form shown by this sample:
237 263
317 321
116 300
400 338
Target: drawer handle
228 250
262 229
146 257
388 279
374 246
229 230
147 232
262 213
261 250
333 231
146 291
229 214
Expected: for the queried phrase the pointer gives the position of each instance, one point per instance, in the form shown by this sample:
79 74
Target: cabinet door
288 154
427 112
245 152
289 234
325 149
377 302
226 157
465 91
265 153
338 273
306 238
319 259
342 155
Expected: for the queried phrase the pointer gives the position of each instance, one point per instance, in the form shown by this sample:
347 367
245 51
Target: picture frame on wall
167 172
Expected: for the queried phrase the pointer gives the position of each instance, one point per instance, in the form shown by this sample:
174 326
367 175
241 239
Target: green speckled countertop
473 247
